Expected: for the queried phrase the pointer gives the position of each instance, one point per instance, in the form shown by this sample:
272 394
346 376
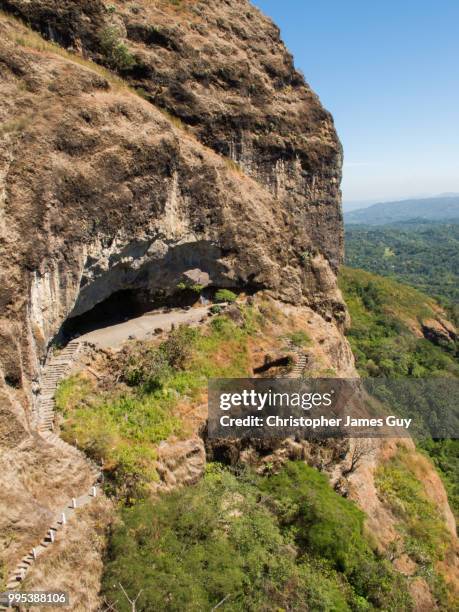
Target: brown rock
439 331
105 193
180 463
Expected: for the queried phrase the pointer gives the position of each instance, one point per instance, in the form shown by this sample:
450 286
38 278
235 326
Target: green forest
282 542
423 255
384 336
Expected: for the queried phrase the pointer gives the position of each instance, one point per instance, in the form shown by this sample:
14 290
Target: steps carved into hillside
55 370
300 361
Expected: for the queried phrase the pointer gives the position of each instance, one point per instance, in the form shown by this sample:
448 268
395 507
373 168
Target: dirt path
142 327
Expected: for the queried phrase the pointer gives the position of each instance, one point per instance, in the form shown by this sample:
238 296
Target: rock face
211 157
440 331
221 68
101 192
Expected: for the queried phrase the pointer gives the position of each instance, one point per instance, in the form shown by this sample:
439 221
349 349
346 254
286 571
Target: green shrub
178 347
445 456
326 523
194 287
244 538
307 255
195 547
123 432
115 51
330 527
145 365
299 338
225 295
215 309
150 367
71 392
425 534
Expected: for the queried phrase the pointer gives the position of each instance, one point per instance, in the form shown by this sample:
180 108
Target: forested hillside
423 255
388 339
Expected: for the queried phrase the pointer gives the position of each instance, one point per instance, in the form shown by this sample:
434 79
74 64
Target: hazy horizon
385 72
350 205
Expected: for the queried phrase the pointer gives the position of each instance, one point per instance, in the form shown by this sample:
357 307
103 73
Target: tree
361 448
116 52
133 602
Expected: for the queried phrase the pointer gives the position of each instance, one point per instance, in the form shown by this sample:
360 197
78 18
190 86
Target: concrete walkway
143 327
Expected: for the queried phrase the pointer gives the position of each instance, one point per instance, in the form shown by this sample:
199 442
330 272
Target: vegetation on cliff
386 340
425 538
278 542
386 331
422 255
123 425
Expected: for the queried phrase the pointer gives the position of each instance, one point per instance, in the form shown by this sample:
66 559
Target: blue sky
389 73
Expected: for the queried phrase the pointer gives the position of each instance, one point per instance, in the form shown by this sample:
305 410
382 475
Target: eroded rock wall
222 69
103 192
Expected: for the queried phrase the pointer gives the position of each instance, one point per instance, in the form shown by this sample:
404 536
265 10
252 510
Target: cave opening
131 303
127 304
118 307
134 285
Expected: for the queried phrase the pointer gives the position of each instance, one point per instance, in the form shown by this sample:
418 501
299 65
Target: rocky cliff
140 142
103 192
221 68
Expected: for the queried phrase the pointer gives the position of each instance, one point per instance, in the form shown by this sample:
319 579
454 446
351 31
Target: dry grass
77 552
232 165
15 125
30 39
176 121
27 38
22 36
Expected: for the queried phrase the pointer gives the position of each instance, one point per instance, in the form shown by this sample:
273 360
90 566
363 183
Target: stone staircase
56 368
301 360
59 522
54 371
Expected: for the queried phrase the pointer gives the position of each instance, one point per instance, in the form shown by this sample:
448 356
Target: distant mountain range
440 208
